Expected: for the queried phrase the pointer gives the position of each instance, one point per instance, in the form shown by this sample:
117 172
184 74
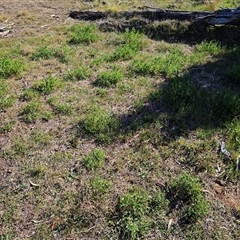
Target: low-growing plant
133 42
169 65
134 39
62 53
47 115
9 67
133 208
94 159
109 78
5 101
42 52
77 74
47 85
100 187
31 112
158 203
187 190
212 48
29 94
63 108
100 123
7 127
83 35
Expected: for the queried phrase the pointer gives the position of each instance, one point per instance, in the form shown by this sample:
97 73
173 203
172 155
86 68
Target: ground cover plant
130 134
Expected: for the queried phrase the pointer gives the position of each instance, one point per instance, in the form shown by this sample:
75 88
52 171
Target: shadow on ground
206 96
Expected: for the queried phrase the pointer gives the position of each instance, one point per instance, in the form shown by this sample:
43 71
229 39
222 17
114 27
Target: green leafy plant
7 127
47 85
99 123
187 190
169 65
133 207
9 67
63 108
5 101
212 48
109 78
94 159
158 204
43 52
83 35
133 42
29 94
31 112
62 53
77 74
100 187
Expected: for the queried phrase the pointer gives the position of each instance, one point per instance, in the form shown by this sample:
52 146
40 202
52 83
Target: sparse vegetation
116 134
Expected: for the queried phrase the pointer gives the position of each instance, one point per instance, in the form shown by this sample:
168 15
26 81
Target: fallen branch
219 17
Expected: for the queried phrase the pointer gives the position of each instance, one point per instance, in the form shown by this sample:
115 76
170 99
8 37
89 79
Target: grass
99 123
94 159
109 78
83 35
115 135
10 67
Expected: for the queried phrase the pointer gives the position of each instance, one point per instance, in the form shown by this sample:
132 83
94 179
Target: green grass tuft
94 159
109 78
10 67
83 35
47 85
186 189
77 74
100 124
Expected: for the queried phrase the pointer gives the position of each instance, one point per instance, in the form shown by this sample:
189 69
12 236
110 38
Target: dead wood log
219 17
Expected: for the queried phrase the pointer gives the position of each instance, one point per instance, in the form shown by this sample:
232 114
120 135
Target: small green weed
100 187
211 48
9 67
5 101
31 112
62 53
133 207
109 78
94 159
169 65
63 108
7 127
187 190
77 74
100 124
43 52
158 204
47 115
133 42
29 94
83 35
37 170
47 85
